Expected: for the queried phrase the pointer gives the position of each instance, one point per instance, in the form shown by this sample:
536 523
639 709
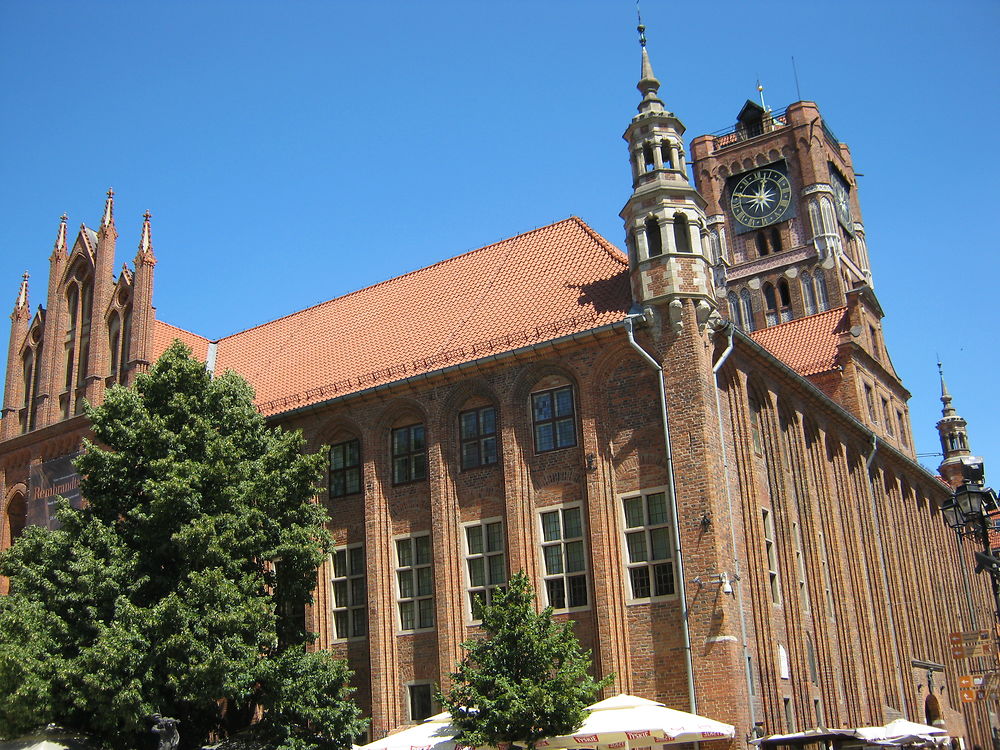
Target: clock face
761 197
842 201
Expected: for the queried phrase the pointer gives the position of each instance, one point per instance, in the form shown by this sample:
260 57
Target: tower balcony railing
768 123
745 131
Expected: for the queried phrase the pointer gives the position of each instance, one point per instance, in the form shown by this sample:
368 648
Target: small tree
179 588
527 678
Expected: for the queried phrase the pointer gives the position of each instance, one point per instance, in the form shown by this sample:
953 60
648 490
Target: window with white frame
648 545
800 568
771 553
484 563
415 582
350 592
564 558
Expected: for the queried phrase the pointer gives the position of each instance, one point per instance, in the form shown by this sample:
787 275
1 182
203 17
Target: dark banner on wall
48 481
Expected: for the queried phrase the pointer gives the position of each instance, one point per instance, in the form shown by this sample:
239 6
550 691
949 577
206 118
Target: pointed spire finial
109 209
948 410
146 241
22 293
648 84
60 244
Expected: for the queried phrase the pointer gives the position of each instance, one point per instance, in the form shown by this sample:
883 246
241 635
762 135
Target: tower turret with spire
954 437
14 395
664 217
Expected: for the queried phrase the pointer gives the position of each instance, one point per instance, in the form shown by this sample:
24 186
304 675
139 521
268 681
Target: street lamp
969 511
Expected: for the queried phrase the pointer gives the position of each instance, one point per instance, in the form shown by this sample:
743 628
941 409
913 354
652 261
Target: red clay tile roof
807 345
541 285
164 335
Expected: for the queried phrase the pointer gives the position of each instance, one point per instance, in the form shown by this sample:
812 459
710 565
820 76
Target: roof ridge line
403 276
186 331
604 243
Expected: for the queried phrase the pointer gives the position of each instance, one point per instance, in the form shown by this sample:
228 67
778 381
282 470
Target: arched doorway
932 712
17 516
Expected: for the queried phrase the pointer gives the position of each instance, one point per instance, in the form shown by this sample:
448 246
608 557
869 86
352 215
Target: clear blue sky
294 151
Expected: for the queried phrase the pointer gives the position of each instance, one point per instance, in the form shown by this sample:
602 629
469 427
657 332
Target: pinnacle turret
954 437
60 243
146 241
108 220
22 294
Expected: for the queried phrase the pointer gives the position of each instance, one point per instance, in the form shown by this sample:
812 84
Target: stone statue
166 729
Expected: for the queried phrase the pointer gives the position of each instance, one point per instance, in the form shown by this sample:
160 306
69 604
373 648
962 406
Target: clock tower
784 220
785 231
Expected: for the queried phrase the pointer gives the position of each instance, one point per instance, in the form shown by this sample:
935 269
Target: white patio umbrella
903 732
627 721
434 733
894 734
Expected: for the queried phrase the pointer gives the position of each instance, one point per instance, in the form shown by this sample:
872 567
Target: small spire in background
22 294
61 235
109 209
948 410
146 241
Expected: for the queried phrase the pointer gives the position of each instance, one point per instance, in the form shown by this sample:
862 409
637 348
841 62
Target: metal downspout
737 570
629 331
885 576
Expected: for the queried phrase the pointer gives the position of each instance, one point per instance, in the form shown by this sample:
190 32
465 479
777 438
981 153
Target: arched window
69 348
771 304
785 300
647 157
665 157
654 242
762 248
27 371
114 343
808 295
735 314
682 234
747 303
17 516
819 282
775 240
86 305
126 339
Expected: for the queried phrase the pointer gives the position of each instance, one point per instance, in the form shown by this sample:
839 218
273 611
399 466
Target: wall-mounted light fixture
723 579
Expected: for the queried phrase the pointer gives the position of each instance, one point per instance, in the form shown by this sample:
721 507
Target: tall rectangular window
554 419
870 403
415 582
827 578
345 468
564 558
484 561
350 592
648 545
409 454
772 556
800 568
478 428
887 416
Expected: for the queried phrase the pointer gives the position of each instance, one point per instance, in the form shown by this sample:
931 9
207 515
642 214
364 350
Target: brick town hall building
515 421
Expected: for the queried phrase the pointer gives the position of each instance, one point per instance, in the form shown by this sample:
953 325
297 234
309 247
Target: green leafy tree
527 678
180 588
